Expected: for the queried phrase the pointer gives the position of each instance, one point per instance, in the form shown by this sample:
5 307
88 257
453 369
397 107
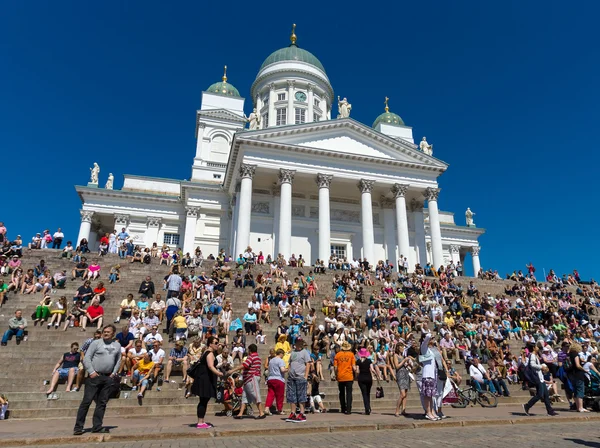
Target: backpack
568 365
529 374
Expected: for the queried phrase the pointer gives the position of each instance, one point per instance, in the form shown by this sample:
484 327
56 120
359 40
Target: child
3 407
315 399
260 337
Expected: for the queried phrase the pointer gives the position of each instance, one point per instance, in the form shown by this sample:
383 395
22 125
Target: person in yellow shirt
284 345
178 326
142 374
449 320
343 365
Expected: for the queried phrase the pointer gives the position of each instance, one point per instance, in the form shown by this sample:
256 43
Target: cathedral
296 176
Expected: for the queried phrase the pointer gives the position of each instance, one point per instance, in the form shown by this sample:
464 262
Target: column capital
416 206
399 190
247 170
366 185
324 180
286 176
153 221
291 83
121 219
86 215
310 87
475 250
432 193
454 249
192 212
272 86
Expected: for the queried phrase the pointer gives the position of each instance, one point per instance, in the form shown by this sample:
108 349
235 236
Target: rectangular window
316 102
171 239
338 250
281 117
265 121
316 117
281 97
300 115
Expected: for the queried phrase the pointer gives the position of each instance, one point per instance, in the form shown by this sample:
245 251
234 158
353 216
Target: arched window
219 148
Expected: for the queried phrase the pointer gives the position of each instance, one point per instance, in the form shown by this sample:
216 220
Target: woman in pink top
93 270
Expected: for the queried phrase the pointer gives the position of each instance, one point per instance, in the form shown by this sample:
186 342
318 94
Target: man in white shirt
158 356
254 304
284 308
57 239
480 377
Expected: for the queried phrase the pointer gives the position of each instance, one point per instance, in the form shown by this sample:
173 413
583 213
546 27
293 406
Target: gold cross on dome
387 109
293 36
225 74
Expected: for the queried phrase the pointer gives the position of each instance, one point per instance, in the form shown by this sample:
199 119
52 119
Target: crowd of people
358 323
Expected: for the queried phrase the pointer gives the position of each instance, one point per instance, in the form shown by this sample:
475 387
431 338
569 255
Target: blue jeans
8 334
215 309
487 383
112 278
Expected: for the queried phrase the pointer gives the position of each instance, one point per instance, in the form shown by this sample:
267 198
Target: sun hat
363 353
346 346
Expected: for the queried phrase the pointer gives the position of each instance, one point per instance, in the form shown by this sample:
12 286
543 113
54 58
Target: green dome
293 53
224 88
389 118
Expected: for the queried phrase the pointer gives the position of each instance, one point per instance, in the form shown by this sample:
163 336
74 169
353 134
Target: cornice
294 70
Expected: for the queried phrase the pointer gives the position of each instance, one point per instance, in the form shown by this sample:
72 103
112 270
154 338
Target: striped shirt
252 367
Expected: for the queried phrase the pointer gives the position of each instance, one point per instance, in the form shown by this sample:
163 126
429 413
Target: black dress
205 381
365 382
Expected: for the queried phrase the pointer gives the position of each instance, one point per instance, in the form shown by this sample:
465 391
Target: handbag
441 374
379 392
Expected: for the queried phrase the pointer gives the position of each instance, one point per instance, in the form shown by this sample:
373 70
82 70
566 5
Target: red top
95 311
252 367
104 240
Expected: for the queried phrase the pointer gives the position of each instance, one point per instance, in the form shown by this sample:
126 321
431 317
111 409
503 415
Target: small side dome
388 117
223 87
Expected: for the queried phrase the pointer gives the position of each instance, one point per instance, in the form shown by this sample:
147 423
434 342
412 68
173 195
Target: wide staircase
24 368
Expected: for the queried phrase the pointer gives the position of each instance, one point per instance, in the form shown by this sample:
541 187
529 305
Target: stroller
229 393
592 392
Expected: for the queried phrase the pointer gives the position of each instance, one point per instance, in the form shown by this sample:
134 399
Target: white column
455 253
419 224
276 214
389 230
324 182
153 226
475 257
291 113
310 99
399 191
272 113
366 206
434 225
284 245
244 205
191 220
86 225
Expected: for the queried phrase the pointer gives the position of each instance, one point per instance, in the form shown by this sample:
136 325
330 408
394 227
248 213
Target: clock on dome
301 96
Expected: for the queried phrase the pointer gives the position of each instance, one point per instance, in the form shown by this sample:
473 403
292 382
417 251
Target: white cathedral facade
297 180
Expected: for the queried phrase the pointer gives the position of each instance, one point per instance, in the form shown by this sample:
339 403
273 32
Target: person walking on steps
535 378
343 365
101 361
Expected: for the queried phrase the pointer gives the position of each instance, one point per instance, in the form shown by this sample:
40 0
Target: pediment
346 137
220 114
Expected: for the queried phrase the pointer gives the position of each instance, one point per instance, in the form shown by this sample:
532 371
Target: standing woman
429 377
577 376
442 376
205 376
401 364
365 371
112 242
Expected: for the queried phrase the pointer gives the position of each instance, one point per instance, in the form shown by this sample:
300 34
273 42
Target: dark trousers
365 390
96 389
541 394
345 388
56 243
202 405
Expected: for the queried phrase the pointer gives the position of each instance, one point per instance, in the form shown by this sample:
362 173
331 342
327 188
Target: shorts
578 387
252 391
295 390
63 373
428 387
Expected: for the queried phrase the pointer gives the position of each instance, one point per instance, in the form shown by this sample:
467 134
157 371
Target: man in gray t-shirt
300 363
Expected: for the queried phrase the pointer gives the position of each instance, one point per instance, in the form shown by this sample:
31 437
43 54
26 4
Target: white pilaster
244 209
366 206
191 220
272 114
434 224
85 226
324 182
152 228
399 192
285 213
455 253
419 224
310 99
475 258
291 118
276 213
389 230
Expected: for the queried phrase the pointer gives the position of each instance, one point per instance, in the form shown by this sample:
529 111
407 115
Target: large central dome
293 53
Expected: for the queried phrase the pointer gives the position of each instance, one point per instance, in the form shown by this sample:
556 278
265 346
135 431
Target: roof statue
426 147
344 108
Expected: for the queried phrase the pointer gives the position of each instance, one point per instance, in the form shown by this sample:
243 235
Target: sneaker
134 388
300 418
204 426
78 432
74 389
552 414
526 409
291 418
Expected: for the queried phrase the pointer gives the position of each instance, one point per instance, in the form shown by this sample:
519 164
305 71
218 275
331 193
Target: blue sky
506 91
